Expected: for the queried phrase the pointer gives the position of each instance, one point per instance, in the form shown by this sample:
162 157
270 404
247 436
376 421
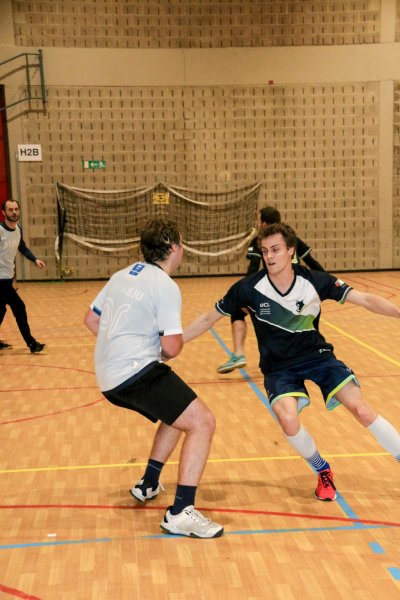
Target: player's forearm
381 306
200 325
373 303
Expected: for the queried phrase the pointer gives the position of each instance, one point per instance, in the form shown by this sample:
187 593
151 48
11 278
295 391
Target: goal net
110 221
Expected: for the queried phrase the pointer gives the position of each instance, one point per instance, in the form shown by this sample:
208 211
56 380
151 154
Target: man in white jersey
137 320
11 241
284 303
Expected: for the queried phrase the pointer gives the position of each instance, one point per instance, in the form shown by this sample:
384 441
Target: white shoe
192 523
141 494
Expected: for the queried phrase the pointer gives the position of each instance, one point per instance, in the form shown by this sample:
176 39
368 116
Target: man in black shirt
284 303
267 216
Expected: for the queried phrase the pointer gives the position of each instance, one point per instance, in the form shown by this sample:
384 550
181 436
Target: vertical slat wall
195 23
314 146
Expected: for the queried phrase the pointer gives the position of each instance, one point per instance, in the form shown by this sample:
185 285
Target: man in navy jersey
284 303
137 320
11 241
267 216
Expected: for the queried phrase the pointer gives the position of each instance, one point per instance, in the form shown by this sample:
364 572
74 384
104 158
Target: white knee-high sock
386 435
303 443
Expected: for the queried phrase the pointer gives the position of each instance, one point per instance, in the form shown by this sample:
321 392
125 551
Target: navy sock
319 463
185 495
152 474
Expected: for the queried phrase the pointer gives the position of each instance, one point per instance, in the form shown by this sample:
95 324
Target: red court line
58 412
375 284
17 593
39 366
217 510
51 389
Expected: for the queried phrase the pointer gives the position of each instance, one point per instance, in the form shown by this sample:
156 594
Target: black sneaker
36 347
4 345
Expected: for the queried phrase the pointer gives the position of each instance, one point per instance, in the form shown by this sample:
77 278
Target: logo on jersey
339 283
299 306
136 269
265 308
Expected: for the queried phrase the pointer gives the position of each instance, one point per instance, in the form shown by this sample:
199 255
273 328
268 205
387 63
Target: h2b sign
29 152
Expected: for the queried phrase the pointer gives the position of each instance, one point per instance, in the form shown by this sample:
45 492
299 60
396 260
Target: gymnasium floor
70 530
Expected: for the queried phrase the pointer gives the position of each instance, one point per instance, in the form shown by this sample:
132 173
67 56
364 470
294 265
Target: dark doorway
5 177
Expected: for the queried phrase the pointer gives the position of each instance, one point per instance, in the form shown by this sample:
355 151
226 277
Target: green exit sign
94 164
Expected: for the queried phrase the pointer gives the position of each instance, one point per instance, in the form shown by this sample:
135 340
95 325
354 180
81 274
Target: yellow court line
175 462
360 343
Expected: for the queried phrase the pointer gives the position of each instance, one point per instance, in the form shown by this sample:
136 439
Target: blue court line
376 548
58 543
170 536
272 531
395 572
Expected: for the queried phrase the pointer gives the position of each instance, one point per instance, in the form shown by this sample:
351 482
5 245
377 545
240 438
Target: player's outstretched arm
201 324
373 303
91 321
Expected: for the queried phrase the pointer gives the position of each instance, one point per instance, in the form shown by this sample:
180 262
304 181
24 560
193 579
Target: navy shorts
159 394
329 373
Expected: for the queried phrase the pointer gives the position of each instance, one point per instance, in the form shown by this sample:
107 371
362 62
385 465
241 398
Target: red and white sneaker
326 489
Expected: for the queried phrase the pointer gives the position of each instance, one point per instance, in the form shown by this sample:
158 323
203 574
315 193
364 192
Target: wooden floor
70 530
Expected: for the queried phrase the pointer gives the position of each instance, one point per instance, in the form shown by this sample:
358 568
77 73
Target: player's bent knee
289 422
365 415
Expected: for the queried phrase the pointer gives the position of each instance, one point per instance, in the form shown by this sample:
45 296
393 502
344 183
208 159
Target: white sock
305 446
303 443
386 435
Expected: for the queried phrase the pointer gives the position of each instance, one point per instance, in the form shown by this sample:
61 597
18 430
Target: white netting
212 223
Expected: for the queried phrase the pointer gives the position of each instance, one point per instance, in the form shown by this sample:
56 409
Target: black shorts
158 395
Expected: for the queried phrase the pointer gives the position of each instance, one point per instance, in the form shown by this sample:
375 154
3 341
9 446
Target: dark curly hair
156 239
269 215
286 231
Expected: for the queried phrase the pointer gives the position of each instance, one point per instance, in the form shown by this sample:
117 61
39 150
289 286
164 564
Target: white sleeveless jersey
136 306
9 242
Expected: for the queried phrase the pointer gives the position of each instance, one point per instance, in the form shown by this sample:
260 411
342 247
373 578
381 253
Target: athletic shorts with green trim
327 372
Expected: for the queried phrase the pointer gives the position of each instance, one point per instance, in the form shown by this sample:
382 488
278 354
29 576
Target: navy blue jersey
286 325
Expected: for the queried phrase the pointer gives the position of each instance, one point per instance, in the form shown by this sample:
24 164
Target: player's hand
39 263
